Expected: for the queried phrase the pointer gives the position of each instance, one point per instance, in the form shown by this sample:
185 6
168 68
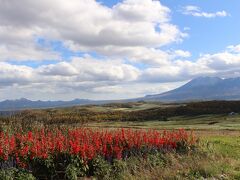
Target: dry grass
196 165
217 157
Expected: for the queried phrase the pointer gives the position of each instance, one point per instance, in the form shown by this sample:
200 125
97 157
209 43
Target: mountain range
24 103
198 89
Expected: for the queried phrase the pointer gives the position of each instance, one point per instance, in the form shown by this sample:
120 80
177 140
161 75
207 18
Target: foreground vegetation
213 157
81 152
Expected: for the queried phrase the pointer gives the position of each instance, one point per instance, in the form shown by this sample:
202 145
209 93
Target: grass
217 157
228 146
134 106
203 122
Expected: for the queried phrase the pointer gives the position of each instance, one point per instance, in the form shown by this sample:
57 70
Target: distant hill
202 88
19 104
25 103
10 106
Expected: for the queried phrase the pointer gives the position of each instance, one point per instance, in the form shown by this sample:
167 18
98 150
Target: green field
202 122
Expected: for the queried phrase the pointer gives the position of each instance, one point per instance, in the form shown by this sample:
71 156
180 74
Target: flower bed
55 151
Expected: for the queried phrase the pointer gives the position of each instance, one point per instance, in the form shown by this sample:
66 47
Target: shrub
15 174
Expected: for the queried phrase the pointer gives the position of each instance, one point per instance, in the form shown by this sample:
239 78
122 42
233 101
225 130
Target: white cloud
197 12
175 72
186 28
223 64
84 25
107 70
13 74
142 10
18 43
78 70
221 61
61 69
234 49
124 91
92 78
181 53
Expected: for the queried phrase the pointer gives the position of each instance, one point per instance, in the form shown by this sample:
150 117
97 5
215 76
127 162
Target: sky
114 49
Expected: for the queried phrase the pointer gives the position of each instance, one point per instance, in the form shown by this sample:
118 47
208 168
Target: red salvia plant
88 143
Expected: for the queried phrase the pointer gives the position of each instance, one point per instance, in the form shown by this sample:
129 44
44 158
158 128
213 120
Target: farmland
90 142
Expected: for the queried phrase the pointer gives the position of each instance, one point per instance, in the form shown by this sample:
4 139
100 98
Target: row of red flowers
87 143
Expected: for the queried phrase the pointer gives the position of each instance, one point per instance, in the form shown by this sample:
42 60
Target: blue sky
207 35
109 3
110 49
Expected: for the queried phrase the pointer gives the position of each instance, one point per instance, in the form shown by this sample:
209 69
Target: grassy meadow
200 122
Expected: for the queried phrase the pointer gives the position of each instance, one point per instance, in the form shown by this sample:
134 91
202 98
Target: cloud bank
117 52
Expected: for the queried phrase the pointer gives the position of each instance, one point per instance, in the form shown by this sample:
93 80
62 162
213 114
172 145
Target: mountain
202 88
25 103
9 106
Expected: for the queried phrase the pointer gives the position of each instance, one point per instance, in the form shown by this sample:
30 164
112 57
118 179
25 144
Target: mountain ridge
202 88
24 103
